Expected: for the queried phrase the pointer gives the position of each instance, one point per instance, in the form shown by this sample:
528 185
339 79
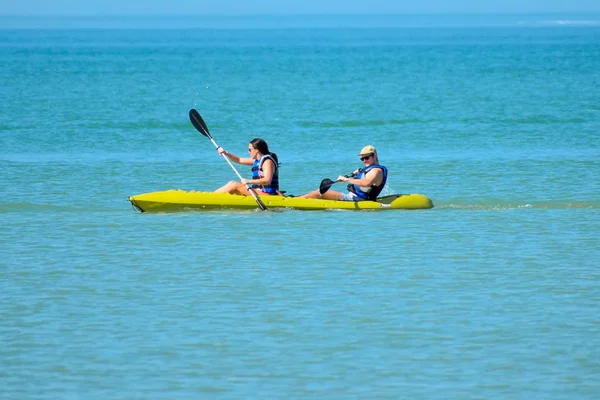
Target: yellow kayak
179 200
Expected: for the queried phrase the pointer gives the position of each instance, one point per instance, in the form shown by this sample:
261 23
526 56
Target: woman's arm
268 169
234 158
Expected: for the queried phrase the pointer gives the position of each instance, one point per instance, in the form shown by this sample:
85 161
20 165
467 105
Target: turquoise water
494 293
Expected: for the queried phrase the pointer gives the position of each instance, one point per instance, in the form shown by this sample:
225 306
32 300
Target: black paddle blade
199 123
261 205
325 185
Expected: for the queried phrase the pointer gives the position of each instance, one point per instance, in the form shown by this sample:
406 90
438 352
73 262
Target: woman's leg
233 187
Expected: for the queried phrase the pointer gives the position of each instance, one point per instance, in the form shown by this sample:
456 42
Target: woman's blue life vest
369 192
257 173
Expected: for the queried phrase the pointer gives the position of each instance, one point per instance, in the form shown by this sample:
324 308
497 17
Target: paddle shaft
199 124
228 160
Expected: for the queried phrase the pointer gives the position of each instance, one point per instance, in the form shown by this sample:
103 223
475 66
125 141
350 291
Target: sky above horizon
233 7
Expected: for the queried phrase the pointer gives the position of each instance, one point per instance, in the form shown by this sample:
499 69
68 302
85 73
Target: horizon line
219 14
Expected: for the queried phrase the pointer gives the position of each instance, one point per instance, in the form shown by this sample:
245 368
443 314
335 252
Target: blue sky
139 7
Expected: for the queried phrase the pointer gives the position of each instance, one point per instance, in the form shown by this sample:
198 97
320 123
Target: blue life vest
257 173
373 191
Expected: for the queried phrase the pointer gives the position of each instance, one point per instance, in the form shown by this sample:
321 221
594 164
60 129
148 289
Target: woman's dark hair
262 146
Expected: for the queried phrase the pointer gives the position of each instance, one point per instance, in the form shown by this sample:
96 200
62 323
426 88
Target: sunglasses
366 157
250 149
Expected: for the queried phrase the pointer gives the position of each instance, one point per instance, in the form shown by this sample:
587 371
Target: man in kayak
265 170
364 184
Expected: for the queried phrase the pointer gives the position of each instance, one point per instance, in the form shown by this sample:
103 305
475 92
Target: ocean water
494 293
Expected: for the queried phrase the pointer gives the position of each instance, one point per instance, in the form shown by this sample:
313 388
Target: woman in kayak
364 184
265 170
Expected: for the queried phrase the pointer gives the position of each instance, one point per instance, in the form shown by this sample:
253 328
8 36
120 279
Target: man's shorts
351 197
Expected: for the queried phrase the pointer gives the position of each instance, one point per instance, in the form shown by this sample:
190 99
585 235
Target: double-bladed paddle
327 183
200 125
